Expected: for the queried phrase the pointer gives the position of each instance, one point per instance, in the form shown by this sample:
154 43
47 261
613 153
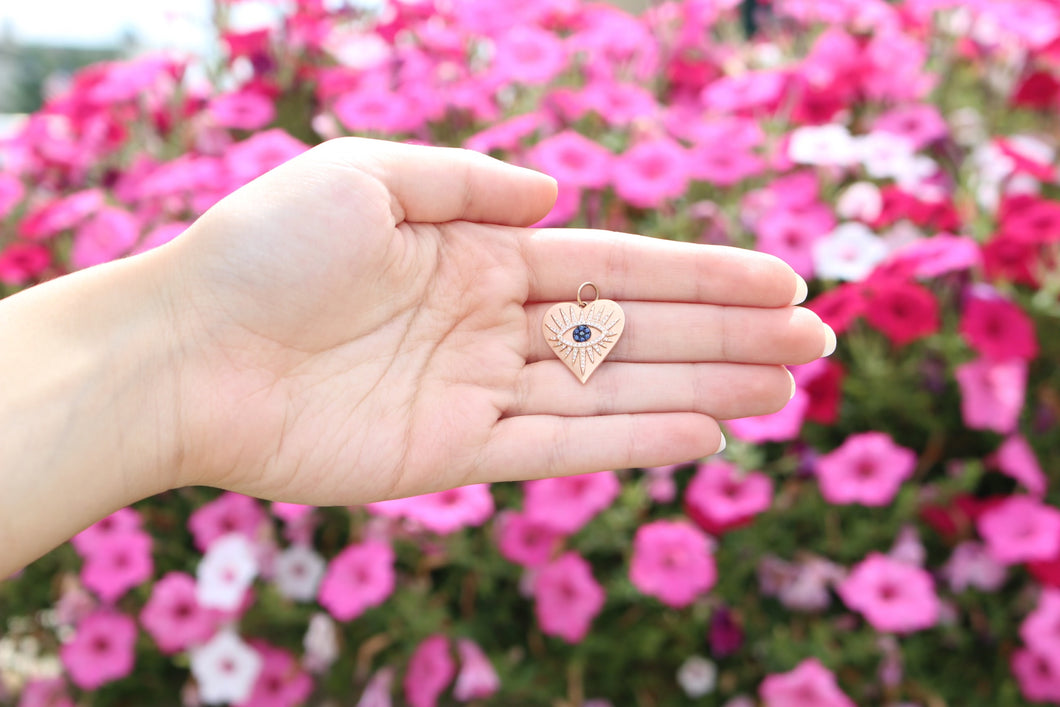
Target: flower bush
892 537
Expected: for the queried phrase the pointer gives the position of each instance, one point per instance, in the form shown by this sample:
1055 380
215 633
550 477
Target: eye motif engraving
582 336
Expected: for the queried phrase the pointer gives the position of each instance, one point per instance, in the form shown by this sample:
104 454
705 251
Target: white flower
912 173
885 154
697 676
225 668
321 643
225 572
850 252
823 145
298 571
861 201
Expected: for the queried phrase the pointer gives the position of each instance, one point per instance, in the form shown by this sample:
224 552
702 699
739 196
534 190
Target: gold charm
583 333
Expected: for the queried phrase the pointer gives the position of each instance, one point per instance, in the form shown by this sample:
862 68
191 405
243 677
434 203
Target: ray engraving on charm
581 333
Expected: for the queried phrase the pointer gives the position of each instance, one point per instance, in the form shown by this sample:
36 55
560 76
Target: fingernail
721 447
829 341
801 290
792 395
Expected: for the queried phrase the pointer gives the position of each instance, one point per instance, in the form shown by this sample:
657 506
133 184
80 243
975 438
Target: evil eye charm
582 333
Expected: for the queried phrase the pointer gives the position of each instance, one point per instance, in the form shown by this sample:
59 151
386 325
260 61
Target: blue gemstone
582 333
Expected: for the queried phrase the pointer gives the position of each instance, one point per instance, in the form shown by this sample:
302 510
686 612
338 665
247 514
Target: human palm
364 323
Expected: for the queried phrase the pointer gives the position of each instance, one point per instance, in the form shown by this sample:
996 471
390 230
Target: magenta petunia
281 682
431 669
721 496
567 598
868 468
173 616
358 578
1021 529
892 596
573 159
1041 629
791 233
20 262
228 513
672 561
44 692
478 678
114 568
810 684
102 649
243 110
1038 674
998 329
443 512
565 504
525 541
1016 459
651 172
992 393
102 532
528 55
11 192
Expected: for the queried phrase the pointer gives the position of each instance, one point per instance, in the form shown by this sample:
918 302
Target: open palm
364 323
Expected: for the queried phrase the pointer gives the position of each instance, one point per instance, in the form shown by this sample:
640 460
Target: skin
363 323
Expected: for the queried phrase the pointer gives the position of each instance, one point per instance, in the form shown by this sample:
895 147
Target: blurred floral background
891 538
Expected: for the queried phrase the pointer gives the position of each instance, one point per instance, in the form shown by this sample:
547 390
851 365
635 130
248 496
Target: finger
539 446
722 390
440 184
641 268
678 332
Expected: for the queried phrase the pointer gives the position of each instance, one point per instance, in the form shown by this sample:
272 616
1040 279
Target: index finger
630 267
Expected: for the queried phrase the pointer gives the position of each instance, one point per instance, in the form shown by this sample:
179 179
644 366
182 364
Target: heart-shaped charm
582 334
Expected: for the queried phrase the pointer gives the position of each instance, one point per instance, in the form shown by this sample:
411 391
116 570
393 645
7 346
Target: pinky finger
540 446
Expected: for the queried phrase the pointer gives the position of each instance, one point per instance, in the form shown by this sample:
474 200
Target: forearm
88 404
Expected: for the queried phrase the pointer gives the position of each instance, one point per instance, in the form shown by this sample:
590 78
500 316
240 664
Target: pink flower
45 692
810 683
753 91
160 235
672 561
971 565
22 262
228 513
938 255
573 159
920 123
651 172
477 679
360 577
1041 629
723 165
566 504
243 110
528 55
377 691
525 541
281 682
567 598
100 534
1016 459
375 110
616 103
114 568
443 512
992 393
790 234
778 427
568 202
174 617
508 134
998 329
891 595
259 153
431 668
60 215
1038 674
1021 529
101 651
721 496
868 468
11 192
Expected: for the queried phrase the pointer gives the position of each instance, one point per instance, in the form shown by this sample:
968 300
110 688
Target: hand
364 323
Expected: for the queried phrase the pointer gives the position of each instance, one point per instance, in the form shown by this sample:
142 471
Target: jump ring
581 287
